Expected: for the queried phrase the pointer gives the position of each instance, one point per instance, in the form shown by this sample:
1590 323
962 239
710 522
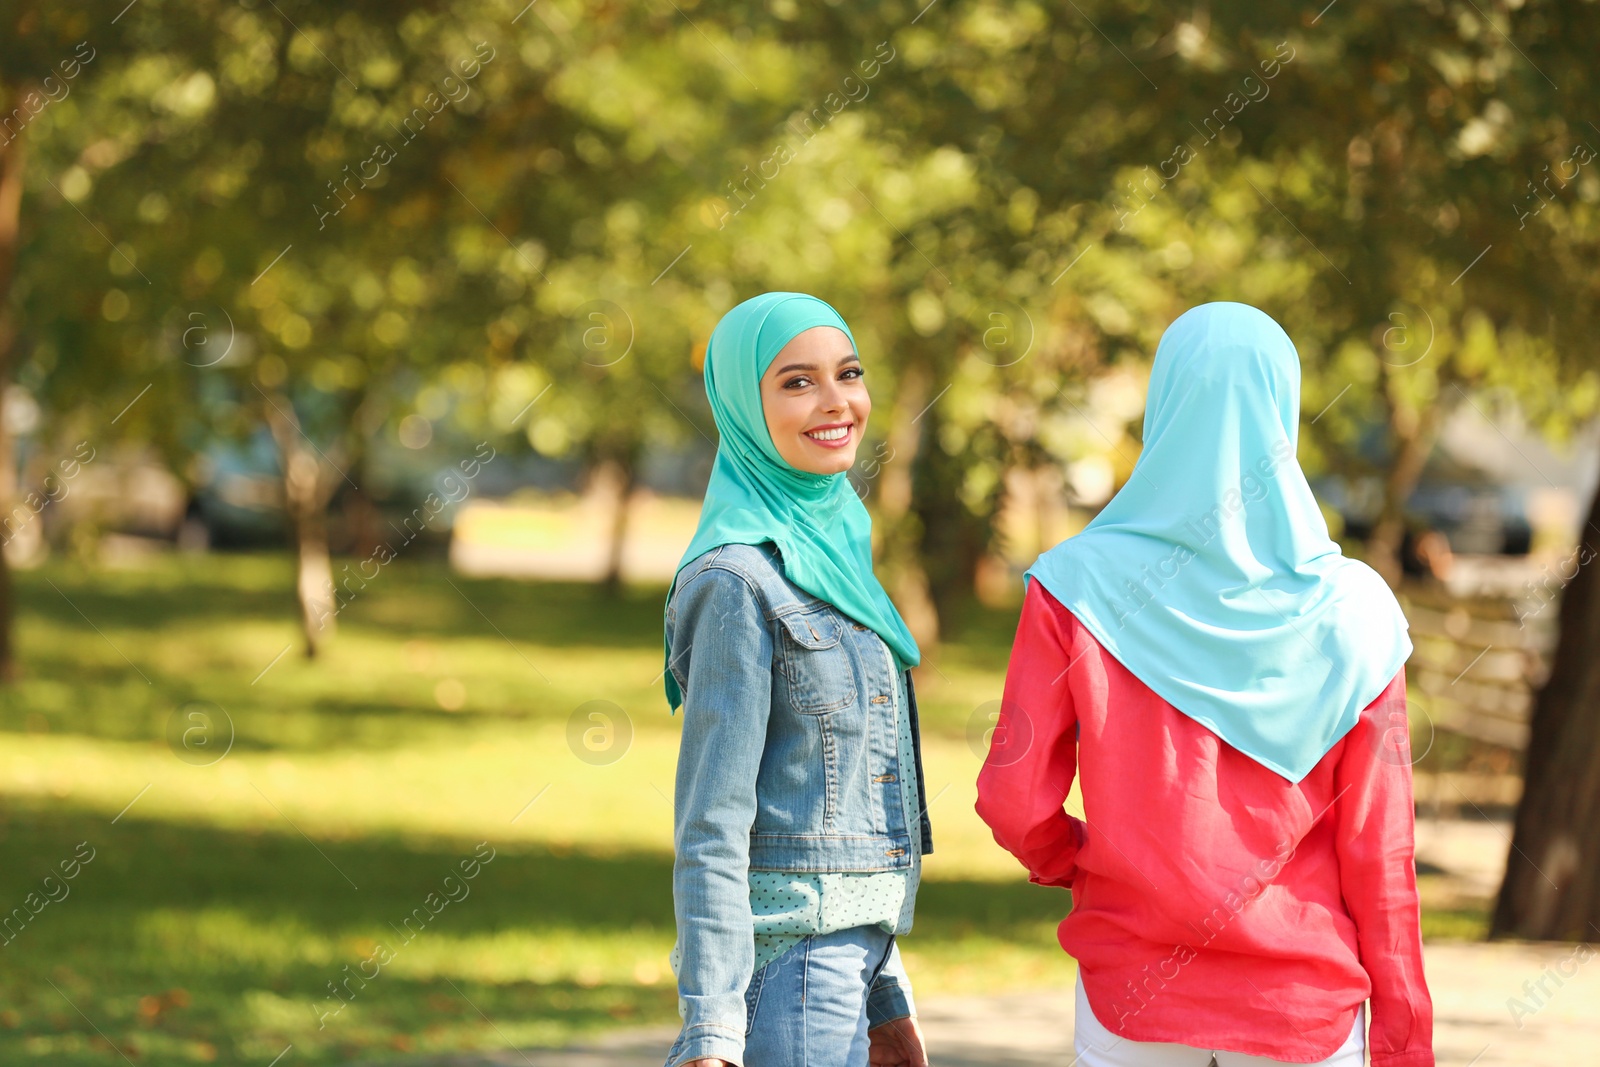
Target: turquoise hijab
1211 576
817 521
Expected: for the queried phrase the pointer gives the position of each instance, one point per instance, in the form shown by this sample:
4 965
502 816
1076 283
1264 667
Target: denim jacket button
880 699
884 778
895 852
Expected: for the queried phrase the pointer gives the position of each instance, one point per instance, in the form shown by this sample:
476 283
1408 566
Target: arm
722 655
892 1027
1033 758
1373 825
890 995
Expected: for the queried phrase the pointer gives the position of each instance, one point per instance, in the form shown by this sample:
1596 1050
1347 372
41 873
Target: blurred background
351 428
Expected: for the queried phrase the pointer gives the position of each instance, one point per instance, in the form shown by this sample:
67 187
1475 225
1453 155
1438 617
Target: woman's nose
832 397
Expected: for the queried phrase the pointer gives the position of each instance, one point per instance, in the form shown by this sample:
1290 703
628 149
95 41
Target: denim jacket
788 762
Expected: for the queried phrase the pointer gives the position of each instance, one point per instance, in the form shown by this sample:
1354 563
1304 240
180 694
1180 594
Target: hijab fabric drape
1211 576
817 521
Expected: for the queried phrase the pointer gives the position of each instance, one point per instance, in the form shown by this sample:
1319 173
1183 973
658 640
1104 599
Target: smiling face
815 399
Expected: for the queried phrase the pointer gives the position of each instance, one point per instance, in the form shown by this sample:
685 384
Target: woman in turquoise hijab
799 825
1229 690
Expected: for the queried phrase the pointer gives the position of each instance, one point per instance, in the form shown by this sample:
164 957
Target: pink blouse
1215 903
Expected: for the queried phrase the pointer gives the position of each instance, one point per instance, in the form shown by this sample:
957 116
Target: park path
1488 1008
1473 1022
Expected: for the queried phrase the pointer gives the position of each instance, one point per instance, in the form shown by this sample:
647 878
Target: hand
897 1043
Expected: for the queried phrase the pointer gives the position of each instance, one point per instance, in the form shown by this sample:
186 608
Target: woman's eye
851 372
797 383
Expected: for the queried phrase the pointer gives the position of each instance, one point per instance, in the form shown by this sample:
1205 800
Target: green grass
221 904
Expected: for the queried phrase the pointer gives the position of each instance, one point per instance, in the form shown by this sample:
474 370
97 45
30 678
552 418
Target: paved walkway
1489 1009
1471 984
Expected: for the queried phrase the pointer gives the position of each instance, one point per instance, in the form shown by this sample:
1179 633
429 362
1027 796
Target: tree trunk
624 477
363 516
892 470
11 165
305 494
954 536
1414 435
1552 884
313 564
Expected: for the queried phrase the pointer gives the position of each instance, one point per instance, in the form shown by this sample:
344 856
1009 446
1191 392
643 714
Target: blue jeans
809 1007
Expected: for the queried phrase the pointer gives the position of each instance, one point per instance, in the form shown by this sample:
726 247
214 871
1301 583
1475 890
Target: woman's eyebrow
786 368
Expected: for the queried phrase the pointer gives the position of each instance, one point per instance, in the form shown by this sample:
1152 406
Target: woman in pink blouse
1231 691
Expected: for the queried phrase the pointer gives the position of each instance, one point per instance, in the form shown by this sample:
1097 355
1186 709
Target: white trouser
1098 1047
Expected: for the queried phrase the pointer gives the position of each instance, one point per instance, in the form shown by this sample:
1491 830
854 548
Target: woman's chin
817 460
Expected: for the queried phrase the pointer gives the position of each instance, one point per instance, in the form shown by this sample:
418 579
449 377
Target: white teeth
838 434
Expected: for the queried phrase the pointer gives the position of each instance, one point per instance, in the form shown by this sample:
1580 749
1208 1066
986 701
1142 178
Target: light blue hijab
817 521
1211 576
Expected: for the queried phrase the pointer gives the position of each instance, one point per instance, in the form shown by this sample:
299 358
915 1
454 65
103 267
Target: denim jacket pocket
815 666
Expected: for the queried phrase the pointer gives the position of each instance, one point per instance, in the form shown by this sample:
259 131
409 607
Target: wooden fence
1482 645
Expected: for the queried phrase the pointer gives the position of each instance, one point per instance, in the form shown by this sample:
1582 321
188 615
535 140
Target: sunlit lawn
225 900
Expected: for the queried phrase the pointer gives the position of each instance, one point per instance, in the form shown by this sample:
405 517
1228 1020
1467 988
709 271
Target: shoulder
758 564
730 572
1046 624
1039 604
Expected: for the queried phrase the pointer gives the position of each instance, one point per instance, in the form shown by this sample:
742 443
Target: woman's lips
838 435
